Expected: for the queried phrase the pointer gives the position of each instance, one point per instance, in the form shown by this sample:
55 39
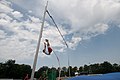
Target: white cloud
3 22
85 18
2 34
78 13
4 16
30 11
74 42
17 14
100 28
5 6
34 19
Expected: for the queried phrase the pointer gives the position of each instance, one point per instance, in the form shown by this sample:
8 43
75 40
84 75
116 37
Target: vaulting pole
59 65
63 40
38 45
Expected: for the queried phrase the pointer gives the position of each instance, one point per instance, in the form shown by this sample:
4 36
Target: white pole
38 45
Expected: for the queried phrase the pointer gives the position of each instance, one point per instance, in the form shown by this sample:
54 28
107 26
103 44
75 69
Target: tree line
10 69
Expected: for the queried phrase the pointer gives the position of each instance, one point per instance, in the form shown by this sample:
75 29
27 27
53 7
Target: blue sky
101 48
90 27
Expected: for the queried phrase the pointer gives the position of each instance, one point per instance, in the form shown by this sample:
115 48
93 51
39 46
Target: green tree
86 68
9 67
94 68
80 69
64 69
71 71
42 72
105 67
24 70
75 69
11 70
116 68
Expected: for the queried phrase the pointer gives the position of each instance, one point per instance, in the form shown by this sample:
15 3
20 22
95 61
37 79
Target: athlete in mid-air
47 49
